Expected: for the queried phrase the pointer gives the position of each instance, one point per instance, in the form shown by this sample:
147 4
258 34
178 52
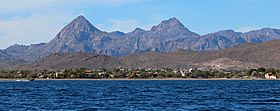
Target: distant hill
7 62
238 57
243 56
81 36
77 60
265 54
4 64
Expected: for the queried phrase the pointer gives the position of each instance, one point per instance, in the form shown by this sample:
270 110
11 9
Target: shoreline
128 79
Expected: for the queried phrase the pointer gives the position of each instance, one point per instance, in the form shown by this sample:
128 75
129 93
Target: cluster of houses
133 73
270 76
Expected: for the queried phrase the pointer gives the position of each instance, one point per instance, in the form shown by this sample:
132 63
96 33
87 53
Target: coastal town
142 73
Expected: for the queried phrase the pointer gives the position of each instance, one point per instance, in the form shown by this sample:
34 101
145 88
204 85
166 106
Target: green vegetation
102 73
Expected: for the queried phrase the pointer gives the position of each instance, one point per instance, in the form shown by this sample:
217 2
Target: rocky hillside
8 62
243 56
238 57
81 36
4 60
77 60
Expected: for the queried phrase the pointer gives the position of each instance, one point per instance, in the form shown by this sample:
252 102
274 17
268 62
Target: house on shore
270 76
19 73
59 75
90 73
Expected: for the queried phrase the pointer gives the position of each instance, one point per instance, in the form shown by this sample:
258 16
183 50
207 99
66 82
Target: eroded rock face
81 36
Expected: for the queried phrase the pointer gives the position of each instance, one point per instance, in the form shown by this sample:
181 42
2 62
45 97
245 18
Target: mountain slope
30 53
265 54
77 60
219 40
76 36
8 62
81 36
262 35
238 57
165 37
244 56
4 60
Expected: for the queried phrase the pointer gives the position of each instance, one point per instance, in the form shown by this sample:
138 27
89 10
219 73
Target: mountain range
243 56
169 36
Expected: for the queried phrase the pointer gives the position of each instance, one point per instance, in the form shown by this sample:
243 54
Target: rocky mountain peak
263 30
228 32
138 31
225 33
81 24
79 28
81 36
171 23
117 33
76 36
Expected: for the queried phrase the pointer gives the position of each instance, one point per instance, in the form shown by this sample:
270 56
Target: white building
270 76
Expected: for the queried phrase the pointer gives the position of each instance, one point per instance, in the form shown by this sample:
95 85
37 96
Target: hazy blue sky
34 21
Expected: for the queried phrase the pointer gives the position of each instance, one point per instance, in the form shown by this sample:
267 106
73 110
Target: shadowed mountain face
219 40
238 57
81 36
4 55
7 61
258 36
76 36
4 60
77 60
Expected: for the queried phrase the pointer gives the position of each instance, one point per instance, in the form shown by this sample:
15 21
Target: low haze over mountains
169 36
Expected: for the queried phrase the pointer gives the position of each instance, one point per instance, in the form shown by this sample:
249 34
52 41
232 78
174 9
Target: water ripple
140 95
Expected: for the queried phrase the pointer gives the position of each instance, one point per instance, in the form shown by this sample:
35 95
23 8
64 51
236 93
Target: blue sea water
140 95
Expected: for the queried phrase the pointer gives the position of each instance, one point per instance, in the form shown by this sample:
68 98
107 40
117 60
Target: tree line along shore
142 73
